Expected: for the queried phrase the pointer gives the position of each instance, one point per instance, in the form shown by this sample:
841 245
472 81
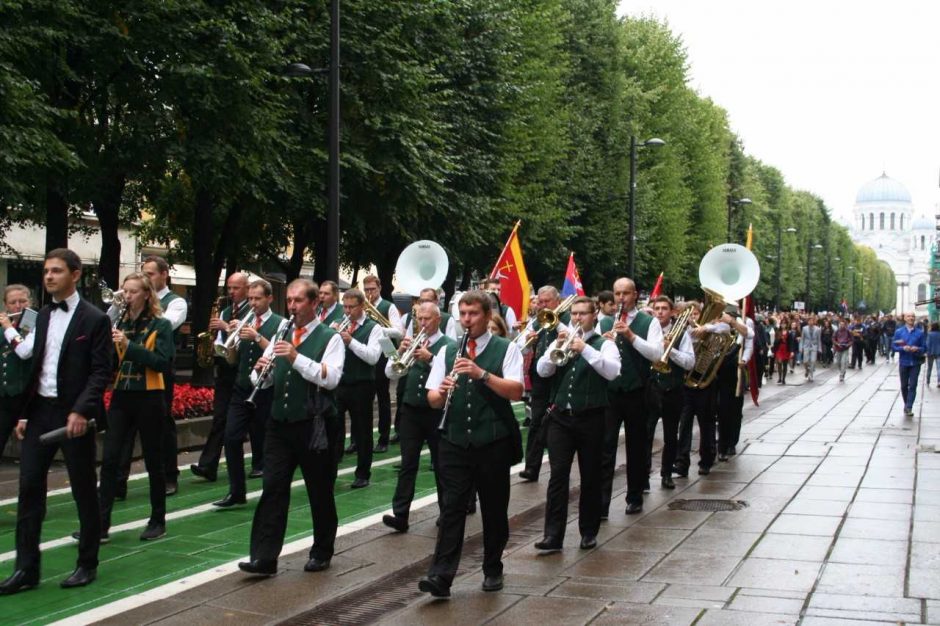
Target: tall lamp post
854 301
780 231
731 204
810 246
829 302
635 146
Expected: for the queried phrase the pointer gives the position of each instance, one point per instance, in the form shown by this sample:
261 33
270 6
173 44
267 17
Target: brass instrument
548 319
282 333
674 335
343 324
205 341
229 350
404 362
562 354
375 314
109 296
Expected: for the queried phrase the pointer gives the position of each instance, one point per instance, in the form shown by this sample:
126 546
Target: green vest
164 303
477 416
445 320
634 368
415 393
149 355
335 315
14 371
290 388
577 385
355 370
249 352
384 306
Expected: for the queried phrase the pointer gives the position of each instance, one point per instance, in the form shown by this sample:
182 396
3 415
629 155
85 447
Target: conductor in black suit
72 365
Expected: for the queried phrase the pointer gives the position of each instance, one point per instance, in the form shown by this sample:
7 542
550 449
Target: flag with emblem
572 286
513 280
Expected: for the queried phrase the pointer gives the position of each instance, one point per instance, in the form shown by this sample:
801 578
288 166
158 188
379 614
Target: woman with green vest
575 423
479 440
143 340
14 369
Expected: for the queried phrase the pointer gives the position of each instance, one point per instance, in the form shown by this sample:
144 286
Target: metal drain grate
709 505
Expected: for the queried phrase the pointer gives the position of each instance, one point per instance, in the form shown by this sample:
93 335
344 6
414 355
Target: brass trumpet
563 353
229 350
675 334
404 362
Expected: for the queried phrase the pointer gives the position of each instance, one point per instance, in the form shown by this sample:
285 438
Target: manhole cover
709 505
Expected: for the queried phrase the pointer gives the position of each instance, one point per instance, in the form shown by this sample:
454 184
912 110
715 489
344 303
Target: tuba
205 341
728 272
422 265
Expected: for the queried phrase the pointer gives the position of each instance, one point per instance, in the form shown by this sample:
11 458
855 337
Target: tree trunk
319 250
207 275
386 271
57 218
106 200
302 237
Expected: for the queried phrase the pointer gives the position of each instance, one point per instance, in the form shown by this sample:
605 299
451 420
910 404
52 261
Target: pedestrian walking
910 343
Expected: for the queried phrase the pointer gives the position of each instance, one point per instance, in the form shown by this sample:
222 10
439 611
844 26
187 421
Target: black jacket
85 362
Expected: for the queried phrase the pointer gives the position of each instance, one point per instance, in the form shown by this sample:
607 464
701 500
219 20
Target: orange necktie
298 334
257 323
352 327
472 349
322 313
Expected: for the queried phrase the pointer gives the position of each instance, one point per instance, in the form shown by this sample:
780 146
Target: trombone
548 319
675 334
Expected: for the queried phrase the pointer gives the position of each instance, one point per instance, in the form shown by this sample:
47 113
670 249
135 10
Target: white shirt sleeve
176 312
652 347
371 350
512 364
24 349
334 358
253 375
451 330
438 371
683 354
605 361
748 349
394 318
544 366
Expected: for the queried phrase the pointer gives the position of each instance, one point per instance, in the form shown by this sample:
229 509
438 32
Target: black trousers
630 410
287 447
857 349
460 469
383 395
11 409
581 433
212 451
730 408
418 425
701 404
45 415
535 440
356 398
668 406
244 420
140 411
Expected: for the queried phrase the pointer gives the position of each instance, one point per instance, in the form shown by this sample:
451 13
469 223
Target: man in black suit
72 366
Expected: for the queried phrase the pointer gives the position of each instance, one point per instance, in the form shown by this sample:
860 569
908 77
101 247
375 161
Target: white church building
884 220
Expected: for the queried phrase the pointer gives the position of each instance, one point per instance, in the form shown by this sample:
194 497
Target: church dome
923 223
883 190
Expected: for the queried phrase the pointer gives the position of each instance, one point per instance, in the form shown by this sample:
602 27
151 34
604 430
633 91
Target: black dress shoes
21 580
120 492
493 583
394 438
722 457
435 586
704 471
256 473
229 501
472 507
317 565
350 449
633 508
528 476
668 483
547 544
105 536
380 448
398 523
79 578
259 568
588 542
359 483
203 472
154 530
172 488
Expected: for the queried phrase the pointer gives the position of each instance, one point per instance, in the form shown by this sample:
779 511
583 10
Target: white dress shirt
510 319
334 357
605 361
650 348
748 350
58 323
176 310
391 374
394 318
219 339
24 348
512 363
683 352
371 350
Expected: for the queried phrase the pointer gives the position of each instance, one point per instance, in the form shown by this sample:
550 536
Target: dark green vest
164 303
290 388
445 320
541 387
149 355
355 370
577 385
477 416
335 315
249 352
634 368
14 371
384 306
415 393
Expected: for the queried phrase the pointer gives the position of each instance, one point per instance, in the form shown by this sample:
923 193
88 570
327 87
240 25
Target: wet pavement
841 526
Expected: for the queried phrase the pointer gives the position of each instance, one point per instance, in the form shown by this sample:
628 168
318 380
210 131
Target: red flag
748 309
572 284
657 288
513 280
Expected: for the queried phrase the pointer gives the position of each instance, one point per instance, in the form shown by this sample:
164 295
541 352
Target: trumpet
404 362
343 324
548 319
563 353
266 370
110 296
675 334
229 350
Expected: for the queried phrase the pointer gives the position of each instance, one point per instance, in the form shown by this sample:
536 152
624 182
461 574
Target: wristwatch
485 377
258 338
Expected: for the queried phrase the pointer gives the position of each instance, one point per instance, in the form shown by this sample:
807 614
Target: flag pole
503 251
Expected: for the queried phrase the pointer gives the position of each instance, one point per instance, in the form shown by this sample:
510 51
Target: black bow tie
61 304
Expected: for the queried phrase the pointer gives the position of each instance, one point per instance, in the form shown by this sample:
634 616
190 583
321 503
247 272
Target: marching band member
419 421
732 381
666 395
640 342
145 350
329 310
476 447
304 431
372 288
71 369
14 369
357 388
208 465
576 423
244 418
606 305
492 286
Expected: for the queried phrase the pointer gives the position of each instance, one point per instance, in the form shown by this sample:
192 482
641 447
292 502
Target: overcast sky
829 92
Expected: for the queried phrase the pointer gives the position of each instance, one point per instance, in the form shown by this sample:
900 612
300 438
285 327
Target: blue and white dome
883 190
923 223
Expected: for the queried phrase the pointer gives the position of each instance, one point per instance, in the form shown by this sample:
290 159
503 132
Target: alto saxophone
205 348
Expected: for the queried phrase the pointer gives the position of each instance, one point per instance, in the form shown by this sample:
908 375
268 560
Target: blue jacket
913 337
933 343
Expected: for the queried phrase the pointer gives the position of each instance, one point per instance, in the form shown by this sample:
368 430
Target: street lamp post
830 304
780 231
631 234
809 265
731 204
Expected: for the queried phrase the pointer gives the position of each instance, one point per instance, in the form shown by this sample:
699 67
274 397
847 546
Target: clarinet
266 370
450 392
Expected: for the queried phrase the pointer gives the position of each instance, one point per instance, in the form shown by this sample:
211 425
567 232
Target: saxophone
205 348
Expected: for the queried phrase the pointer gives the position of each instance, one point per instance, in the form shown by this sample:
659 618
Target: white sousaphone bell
730 270
422 265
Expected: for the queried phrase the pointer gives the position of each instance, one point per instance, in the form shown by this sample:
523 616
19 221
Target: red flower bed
188 401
